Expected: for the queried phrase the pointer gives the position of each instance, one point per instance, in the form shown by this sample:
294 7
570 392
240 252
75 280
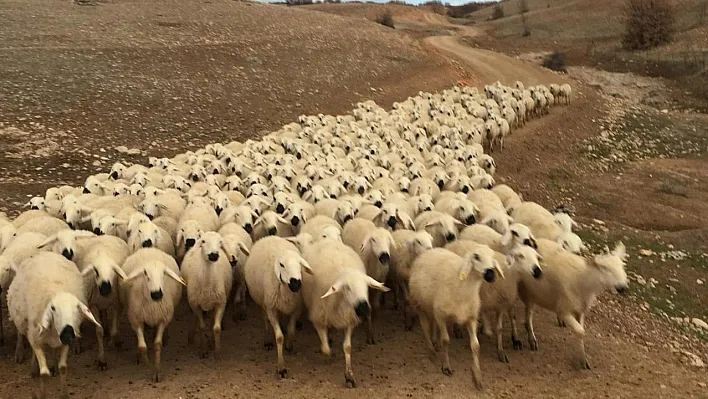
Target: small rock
122 149
700 323
702 384
664 111
133 151
596 221
96 163
646 252
699 281
641 281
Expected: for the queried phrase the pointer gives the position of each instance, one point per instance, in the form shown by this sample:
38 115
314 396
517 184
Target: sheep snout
156 295
67 335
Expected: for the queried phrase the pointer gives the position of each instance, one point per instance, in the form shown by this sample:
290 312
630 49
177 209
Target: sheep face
571 242
499 221
197 173
331 233
135 220
36 203
480 260
526 259
104 271
117 171
564 221
153 275
288 269
379 242
64 242
7 234
243 215
467 212
424 203
375 197
421 242
611 266
354 286
210 244
444 227
345 212
63 316
108 225
519 234
148 234
270 221
189 233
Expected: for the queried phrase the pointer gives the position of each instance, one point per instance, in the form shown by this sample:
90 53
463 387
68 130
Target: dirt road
490 66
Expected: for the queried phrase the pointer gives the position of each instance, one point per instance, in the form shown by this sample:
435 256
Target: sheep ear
245 249
376 285
304 217
48 241
180 236
430 224
86 312
364 243
47 318
87 270
498 268
171 274
135 274
458 223
306 267
281 220
228 253
119 272
258 221
336 287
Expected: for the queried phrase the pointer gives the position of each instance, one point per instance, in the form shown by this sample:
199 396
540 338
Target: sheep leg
218 315
292 327
425 326
201 325
515 341
500 346
192 329
102 365
44 373
240 303
158 351
64 354
474 345
20 348
370 330
273 319
579 331
561 323
457 331
324 341
533 343
486 324
115 337
268 337
347 346
444 346
408 315
142 346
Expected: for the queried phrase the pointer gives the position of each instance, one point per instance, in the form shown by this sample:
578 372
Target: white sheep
46 225
507 195
409 245
569 286
209 276
441 226
46 302
537 218
269 224
148 235
444 287
337 294
340 210
274 277
373 245
149 298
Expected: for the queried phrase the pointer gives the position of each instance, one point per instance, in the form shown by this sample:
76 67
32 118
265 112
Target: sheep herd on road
318 220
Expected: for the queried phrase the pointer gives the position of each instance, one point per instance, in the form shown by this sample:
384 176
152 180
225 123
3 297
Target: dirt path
490 66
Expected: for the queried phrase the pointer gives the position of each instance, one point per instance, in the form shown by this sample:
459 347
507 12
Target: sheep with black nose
444 287
273 274
373 245
47 304
209 276
151 291
337 295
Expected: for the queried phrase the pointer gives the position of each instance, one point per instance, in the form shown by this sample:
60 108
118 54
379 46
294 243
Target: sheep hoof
157 377
102 365
585 365
533 344
457 332
283 373
298 325
350 381
289 347
371 340
204 353
478 385
447 371
503 358
53 371
268 346
517 344
19 357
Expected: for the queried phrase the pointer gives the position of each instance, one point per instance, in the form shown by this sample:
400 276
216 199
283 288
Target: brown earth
628 346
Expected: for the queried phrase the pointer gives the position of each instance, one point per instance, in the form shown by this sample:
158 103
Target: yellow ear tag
463 276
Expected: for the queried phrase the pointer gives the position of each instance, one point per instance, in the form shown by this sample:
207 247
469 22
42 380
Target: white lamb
150 300
444 288
209 277
537 218
337 295
274 277
46 301
409 245
441 226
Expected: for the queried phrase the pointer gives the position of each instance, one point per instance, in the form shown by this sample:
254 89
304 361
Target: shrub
386 19
463 10
648 23
498 11
555 61
523 6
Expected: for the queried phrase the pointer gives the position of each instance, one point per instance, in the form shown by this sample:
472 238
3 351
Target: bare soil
636 350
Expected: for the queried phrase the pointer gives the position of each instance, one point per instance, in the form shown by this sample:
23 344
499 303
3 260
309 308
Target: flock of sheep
316 220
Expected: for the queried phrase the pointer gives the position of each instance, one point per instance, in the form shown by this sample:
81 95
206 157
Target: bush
648 23
498 12
523 6
555 61
386 19
463 10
